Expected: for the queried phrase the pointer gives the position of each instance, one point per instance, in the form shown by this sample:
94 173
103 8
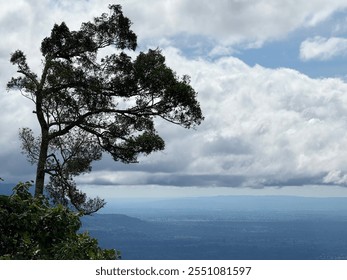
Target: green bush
30 228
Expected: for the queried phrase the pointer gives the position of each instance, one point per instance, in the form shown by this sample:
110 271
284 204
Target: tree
30 228
86 104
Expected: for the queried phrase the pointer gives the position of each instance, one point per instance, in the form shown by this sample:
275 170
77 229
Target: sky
272 82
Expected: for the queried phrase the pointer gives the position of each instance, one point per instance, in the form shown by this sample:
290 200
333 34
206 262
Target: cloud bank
264 127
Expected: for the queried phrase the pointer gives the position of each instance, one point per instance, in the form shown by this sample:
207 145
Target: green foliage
30 228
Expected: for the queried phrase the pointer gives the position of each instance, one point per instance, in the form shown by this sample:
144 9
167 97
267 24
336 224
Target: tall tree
86 104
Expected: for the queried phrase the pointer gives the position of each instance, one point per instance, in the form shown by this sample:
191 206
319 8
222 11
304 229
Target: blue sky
271 77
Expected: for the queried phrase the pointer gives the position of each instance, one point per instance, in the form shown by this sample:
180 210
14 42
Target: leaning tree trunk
41 165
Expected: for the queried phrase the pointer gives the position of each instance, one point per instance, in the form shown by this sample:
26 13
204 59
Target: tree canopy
87 104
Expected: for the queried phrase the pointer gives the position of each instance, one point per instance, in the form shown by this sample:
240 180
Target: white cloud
242 24
221 50
228 21
264 127
335 177
320 48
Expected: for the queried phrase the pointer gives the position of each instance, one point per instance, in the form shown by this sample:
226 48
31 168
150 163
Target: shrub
31 228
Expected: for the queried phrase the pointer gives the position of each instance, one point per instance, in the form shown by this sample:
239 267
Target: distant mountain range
221 203
231 203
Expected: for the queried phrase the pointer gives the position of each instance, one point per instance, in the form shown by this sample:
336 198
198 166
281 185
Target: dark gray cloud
227 146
